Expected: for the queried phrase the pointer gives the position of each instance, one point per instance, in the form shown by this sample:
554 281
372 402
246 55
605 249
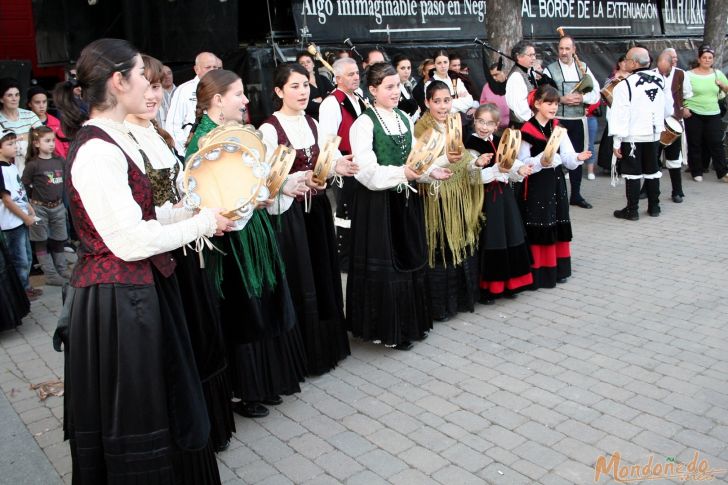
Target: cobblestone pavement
629 356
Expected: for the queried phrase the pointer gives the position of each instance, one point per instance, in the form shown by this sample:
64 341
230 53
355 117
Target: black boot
632 190
676 180
653 196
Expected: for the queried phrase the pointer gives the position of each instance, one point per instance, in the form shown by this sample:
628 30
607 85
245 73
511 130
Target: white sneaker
591 176
698 178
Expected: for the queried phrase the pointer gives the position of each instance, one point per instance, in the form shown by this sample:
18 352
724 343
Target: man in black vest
521 80
566 74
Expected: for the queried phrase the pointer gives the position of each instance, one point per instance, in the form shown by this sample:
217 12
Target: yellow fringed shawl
453 214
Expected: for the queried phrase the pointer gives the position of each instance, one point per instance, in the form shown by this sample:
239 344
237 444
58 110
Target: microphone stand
352 48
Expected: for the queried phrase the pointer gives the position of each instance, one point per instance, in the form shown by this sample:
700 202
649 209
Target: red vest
347 119
96 263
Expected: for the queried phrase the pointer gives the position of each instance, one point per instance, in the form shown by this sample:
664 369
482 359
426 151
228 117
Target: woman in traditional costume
265 350
134 407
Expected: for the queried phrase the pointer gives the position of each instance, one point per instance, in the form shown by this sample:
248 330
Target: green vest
385 146
564 88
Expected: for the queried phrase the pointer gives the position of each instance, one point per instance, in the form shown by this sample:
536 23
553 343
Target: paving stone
382 463
298 468
338 465
366 477
391 441
502 474
351 443
466 457
423 459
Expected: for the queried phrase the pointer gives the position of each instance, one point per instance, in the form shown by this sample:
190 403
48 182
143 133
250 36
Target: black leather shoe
561 281
272 401
626 214
441 318
222 447
510 296
654 211
250 409
582 203
643 195
406 345
486 301
677 199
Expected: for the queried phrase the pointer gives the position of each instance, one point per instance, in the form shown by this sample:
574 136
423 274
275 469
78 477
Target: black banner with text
380 21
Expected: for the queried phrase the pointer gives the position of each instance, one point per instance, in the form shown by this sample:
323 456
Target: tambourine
280 165
510 144
325 160
454 134
233 131
426 149
552 146
227 175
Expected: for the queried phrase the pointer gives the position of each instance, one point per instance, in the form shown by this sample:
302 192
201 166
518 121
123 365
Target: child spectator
43 178
38 104
16 214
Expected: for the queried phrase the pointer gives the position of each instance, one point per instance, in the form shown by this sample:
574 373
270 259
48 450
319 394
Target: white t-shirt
10 183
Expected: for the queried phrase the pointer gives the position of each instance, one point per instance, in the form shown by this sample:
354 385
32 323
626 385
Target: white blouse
566 156
491 173
299 136
99 174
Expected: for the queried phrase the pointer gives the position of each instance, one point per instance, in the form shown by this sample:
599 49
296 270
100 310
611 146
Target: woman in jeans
702 122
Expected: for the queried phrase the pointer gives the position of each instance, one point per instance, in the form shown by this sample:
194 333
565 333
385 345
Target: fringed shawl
453 213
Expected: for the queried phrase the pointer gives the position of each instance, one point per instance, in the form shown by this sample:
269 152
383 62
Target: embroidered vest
347 119
565 88
305 157
388 151
96 263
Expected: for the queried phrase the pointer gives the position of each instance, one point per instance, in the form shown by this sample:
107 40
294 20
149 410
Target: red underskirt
498 287
545 256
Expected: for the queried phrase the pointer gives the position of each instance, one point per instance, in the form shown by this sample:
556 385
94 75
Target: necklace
540 128
399 138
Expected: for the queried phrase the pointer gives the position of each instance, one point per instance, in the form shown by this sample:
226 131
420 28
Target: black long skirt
135 411
453 288
308 245
14 304
544 205
505 262
386 293
265 349
202 314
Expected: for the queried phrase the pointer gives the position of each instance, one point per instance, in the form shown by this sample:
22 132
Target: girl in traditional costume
386 296
306 231
452 217
198 296
505 263
542 196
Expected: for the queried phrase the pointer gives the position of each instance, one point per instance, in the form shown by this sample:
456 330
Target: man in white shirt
640 105
566 74
520 81
169 87
681 90
181 114
336 115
